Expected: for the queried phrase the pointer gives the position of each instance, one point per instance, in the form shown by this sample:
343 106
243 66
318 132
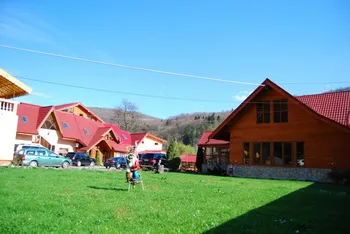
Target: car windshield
122 160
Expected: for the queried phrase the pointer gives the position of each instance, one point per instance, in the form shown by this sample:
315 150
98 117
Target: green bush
174 164
98 159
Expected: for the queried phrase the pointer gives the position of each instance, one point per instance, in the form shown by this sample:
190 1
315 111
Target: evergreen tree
173 149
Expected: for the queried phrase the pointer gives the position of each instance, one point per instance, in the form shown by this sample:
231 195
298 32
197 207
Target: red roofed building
147 143
306 135
67 128
188 162
215 151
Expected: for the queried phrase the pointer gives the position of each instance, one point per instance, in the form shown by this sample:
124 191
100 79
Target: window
300 154
257 153
24 119
81 115
280 111
30 152
282 153
86 131
40 152
125 138
49 125
266 153
156 143
261 152
246 152
263 112
65 125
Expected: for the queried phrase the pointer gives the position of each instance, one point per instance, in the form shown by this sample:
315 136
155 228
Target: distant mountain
340 89
183 126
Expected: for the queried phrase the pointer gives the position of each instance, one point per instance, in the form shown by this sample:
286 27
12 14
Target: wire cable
127 66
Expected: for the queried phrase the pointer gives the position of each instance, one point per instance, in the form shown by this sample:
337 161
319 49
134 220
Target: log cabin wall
325 144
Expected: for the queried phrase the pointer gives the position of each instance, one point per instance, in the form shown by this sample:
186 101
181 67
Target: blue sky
287 41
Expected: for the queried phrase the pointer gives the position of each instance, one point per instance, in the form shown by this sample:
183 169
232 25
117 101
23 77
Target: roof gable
318 107
123 136
81 106
136 138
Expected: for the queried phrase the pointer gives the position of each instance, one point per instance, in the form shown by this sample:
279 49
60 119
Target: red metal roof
31 113
87 132
118 147
123 136
334 105
188 158
204 140
43 114
65 106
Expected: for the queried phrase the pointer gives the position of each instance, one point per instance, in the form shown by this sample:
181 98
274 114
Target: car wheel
117 166
78 163
108 167
92 164
65 164
33 164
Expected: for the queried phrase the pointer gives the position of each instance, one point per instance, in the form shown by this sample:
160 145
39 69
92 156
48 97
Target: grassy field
43 200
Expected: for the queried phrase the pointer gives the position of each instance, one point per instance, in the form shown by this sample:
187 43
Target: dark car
117 162
81 159
150 159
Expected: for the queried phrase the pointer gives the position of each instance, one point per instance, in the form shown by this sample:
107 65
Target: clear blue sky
287 41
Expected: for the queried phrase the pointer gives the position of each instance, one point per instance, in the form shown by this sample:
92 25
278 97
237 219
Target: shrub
340 176
174 164
98 159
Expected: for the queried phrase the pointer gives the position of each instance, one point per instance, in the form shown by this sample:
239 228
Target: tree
186 149
126 116
173 154
189 135
173 149
200 158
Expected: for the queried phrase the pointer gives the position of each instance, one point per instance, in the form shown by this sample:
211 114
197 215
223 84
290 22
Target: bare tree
126 115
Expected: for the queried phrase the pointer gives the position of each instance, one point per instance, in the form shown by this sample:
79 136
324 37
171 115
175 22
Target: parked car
81 159
40 157
149 159
117 162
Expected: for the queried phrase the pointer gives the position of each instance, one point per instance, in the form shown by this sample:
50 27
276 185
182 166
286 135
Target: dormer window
86 131
125 138
24 119
65 125
263 112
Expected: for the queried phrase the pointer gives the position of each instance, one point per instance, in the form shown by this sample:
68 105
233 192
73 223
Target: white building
10 87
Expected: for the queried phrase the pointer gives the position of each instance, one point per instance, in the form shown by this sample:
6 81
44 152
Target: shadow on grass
318 208
105 188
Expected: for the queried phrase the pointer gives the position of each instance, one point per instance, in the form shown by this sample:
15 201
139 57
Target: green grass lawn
43 200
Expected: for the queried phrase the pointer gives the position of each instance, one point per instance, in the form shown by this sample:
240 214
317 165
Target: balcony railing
8 106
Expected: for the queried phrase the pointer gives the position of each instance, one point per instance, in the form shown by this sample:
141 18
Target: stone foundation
261 172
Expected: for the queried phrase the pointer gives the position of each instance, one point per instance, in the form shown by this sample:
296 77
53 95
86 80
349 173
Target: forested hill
187 128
